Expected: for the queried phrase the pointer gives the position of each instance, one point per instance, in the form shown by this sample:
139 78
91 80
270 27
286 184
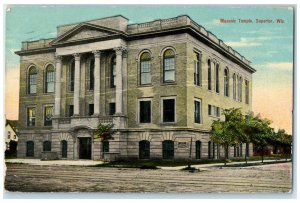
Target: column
76 84
97 55
58 63
119 81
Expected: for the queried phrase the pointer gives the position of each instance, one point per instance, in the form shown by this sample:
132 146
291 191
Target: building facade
10 133
160 83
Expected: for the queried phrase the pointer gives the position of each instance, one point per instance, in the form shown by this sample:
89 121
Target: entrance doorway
85 148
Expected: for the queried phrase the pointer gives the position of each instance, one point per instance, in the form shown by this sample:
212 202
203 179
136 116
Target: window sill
211 116
49 93
168 83
168 123
145 85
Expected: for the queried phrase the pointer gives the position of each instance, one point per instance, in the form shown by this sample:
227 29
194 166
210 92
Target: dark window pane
91 75
113 72
112 108
198 149
168 149
197 112
71 110
105 146
29 148
91 109
64 149
209 75
144 149
168 110
145 111
72 76
46 146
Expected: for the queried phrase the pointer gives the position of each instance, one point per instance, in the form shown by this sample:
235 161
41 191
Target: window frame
162 109
234 76
89 109
226 82
164 66
113 71
197 68
149 61
247 91
164 150
46 82
139 110
29 80
44 114
109 108
147 150
217 77
197 100
209 78
90 75
27 116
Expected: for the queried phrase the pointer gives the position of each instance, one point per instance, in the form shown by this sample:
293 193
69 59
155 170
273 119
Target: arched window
145 68
113 72
30 149
209 74
217 78
226 82
32 80
91 77
198 149
168 149
144 149
49 79
64 149
71 76
47 146
234 86
169 66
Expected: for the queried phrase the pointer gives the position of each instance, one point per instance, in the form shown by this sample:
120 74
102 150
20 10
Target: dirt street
261 179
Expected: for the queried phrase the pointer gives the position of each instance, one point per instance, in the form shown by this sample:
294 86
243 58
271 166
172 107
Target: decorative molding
77 56
119 50
97 53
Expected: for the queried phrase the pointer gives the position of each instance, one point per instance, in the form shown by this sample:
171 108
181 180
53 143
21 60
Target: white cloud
244 42
283 66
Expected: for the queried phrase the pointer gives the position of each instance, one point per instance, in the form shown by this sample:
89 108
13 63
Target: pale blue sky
269 46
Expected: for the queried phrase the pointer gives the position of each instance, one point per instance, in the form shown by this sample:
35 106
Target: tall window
240 88
71 76
234 86
197 112
144 149
113 72
168 110
48 114
91 109
197 69
145 68
30 149
145 111
168 149
112 108
64 149
31 116
32 82
198 149
105 146
209 74
247 91
71 110
49 79
226 82
47 146
217 78
91 79
169 66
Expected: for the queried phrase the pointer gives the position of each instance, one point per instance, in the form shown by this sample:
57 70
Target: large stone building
161 84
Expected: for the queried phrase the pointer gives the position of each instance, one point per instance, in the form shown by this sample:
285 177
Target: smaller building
11 133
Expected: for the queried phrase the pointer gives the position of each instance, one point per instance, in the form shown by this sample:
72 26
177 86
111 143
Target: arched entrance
84 142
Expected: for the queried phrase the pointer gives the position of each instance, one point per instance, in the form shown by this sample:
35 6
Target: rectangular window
145 111
217 78
213 110
168 110
71 110
145 72
169 69
247 91
91 75
197 112
48 114
209 75
197 69
112 108
113 76
31 116
91 109
209 110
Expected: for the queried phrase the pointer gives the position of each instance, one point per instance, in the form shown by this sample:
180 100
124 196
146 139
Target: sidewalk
93 163
55 162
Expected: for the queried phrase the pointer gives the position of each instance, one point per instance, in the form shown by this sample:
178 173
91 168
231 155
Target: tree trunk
226 155
246 158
